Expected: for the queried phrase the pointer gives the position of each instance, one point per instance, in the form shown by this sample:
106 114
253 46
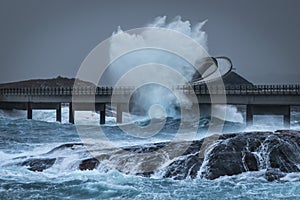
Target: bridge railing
65 91
197 89
248 89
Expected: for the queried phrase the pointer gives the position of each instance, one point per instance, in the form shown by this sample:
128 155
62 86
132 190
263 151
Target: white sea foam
232 113
121 41
261 123
81 117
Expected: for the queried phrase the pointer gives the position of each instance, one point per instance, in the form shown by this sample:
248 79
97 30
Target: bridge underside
284 110
205 109
30 106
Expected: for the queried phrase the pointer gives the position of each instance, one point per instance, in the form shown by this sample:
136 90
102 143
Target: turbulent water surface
23 139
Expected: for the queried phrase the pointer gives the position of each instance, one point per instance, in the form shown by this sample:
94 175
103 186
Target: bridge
258 99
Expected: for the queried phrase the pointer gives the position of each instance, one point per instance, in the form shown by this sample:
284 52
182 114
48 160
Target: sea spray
150 94
232 113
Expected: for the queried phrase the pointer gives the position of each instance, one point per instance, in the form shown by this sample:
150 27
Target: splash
232 113
153 94
142 56
184 27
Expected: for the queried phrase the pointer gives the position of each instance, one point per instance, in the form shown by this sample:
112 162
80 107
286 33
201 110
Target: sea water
22 138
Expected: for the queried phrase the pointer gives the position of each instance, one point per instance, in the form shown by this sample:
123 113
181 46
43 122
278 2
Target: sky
48 38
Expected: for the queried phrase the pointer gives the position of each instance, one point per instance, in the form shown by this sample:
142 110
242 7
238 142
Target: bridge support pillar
102 114
58 112
249 115
287 118
71 113
205 110
119 113
29 110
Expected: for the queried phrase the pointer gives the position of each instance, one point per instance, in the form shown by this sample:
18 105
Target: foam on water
20 183
232 113
94 184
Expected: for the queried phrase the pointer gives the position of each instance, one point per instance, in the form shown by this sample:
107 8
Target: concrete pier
58 113
71 113
249 115
119 113
102 117
287 118
102 114
29 110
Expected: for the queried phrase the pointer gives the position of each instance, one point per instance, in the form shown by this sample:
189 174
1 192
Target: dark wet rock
274 174
250 162
212 157
39 164
288 132
178 169
239 153
65 146
284 154
89 164
189 163
145 149
224 163
233 154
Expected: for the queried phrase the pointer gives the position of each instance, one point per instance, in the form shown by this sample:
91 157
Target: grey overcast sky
47 38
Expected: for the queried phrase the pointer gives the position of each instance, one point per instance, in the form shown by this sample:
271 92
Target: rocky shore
275 153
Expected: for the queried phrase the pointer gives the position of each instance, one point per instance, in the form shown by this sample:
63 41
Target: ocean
23 139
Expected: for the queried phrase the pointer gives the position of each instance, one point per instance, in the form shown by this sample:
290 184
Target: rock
215 156
284 155
288 132
238 154
89 164
233 155
178 169
250 162
274 174
224 163
39 165
65 146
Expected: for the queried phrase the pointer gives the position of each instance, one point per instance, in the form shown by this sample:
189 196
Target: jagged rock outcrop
89 164
275 153
39 164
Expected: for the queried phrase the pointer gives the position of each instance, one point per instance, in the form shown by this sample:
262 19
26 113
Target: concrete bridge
258 99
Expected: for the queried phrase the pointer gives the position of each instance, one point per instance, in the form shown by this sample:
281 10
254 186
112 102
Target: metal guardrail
197 89
64 91
248 89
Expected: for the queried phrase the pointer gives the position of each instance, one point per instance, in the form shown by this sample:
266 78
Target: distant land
232 78
47 83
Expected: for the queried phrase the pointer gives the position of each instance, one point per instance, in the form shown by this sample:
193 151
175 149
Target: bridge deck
240 94
280 97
